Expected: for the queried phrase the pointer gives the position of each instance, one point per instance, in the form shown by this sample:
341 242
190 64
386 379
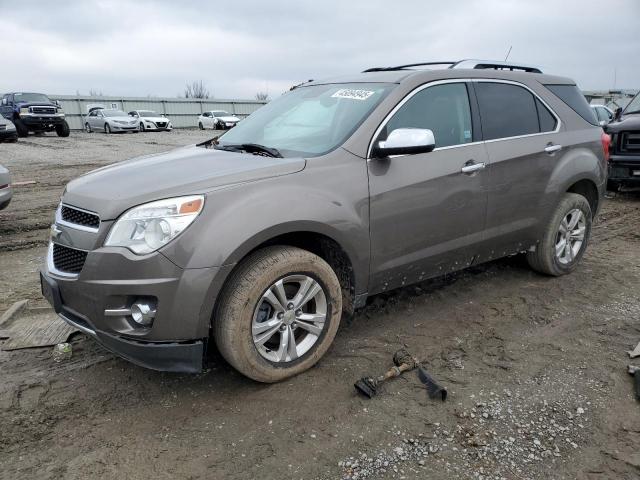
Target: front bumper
111 279
35 121
8 134
5 195
117 127
624 169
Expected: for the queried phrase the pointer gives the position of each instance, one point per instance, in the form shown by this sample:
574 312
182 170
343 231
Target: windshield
31 97
220 113
114 113
147 113
634 105
309 121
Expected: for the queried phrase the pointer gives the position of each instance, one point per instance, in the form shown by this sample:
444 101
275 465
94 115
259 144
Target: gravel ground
535 368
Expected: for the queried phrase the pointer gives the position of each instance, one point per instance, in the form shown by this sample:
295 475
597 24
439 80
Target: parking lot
535 367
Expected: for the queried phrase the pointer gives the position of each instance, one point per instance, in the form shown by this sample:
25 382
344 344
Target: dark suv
34 112
260 239
624 162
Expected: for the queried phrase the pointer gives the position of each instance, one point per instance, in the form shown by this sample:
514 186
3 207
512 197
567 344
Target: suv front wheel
565 238
278 314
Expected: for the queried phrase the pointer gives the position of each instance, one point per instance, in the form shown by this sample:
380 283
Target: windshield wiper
632 111
250 148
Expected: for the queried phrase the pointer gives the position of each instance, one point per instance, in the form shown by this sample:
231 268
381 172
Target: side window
443 109
506 110
547 121
573 97
205 114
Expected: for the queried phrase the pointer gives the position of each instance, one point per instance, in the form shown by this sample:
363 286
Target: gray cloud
237 48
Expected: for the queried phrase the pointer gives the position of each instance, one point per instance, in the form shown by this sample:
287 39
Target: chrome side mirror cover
405 141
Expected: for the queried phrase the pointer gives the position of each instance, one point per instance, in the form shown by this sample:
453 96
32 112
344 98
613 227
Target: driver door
426 212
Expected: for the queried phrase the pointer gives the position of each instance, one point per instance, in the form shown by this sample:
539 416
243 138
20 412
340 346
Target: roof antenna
508 53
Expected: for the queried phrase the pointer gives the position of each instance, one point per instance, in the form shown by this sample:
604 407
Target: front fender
329 197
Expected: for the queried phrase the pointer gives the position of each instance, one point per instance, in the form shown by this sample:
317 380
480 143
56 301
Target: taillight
606 143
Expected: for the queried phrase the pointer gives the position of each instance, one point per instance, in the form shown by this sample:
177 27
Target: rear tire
63 130
21 128
552 256
242 301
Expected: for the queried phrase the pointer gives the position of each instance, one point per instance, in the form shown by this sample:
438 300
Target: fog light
143 312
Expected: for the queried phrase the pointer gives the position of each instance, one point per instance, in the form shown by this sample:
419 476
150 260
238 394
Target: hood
627 122
155 119
35 104
126 119
4 121
111 190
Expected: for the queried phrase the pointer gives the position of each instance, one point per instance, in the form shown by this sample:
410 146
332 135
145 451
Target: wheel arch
588 189
310 237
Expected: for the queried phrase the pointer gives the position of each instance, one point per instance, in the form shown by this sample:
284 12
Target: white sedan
150 120
217 119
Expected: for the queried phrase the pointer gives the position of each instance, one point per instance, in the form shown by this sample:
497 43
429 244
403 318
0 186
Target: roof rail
402 67
495 65
467 63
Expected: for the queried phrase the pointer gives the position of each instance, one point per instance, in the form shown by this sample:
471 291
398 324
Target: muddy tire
200 126
21 128
265 297
565 238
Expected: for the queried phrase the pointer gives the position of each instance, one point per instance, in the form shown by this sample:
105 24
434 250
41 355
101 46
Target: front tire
200 126
107 128
565 239
142 127
87 128
21 128
63 130
278 314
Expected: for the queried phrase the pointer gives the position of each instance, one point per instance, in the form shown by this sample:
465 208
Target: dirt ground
535 368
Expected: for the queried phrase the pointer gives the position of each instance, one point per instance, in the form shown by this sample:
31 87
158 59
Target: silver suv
261 239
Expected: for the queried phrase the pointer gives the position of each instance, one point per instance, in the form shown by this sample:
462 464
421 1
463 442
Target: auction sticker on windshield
353 94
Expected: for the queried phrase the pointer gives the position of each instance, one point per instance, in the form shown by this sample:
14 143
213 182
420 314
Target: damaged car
259 241
624 159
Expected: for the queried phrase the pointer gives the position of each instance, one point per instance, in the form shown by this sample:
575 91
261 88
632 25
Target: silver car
5 187
109 121
150 120
7 130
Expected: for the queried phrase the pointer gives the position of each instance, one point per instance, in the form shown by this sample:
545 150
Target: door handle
472 167
552 148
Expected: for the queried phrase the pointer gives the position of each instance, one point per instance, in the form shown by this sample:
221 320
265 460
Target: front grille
79 217
43 110
161 124
68 259
630 142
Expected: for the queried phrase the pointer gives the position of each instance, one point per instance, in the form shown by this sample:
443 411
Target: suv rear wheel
278 314
565 238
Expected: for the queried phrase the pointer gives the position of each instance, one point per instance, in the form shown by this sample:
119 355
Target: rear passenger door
520 134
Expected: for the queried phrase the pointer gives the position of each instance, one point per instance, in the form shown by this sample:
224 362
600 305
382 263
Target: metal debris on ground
635 352
403 362
62 352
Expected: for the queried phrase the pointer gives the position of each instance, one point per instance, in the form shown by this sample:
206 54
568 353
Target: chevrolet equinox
261 239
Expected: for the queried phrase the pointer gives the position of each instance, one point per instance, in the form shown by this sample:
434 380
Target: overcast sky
139 48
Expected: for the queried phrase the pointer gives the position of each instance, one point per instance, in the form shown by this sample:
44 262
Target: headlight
148 227
24 111
11 127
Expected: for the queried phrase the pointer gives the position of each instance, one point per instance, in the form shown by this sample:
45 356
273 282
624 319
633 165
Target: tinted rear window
573 97
506 110
547 120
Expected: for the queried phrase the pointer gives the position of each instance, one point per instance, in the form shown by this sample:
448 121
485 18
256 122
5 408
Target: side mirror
4 101
405 141
56 102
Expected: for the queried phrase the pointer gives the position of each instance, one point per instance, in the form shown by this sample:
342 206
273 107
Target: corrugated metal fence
182 112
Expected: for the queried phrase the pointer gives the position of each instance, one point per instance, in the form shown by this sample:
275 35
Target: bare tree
196 89
95 93
262 96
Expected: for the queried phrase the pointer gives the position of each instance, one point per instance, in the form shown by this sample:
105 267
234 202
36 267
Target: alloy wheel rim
289 318
570 236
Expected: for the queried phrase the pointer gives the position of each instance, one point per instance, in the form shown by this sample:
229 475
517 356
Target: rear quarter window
573 97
